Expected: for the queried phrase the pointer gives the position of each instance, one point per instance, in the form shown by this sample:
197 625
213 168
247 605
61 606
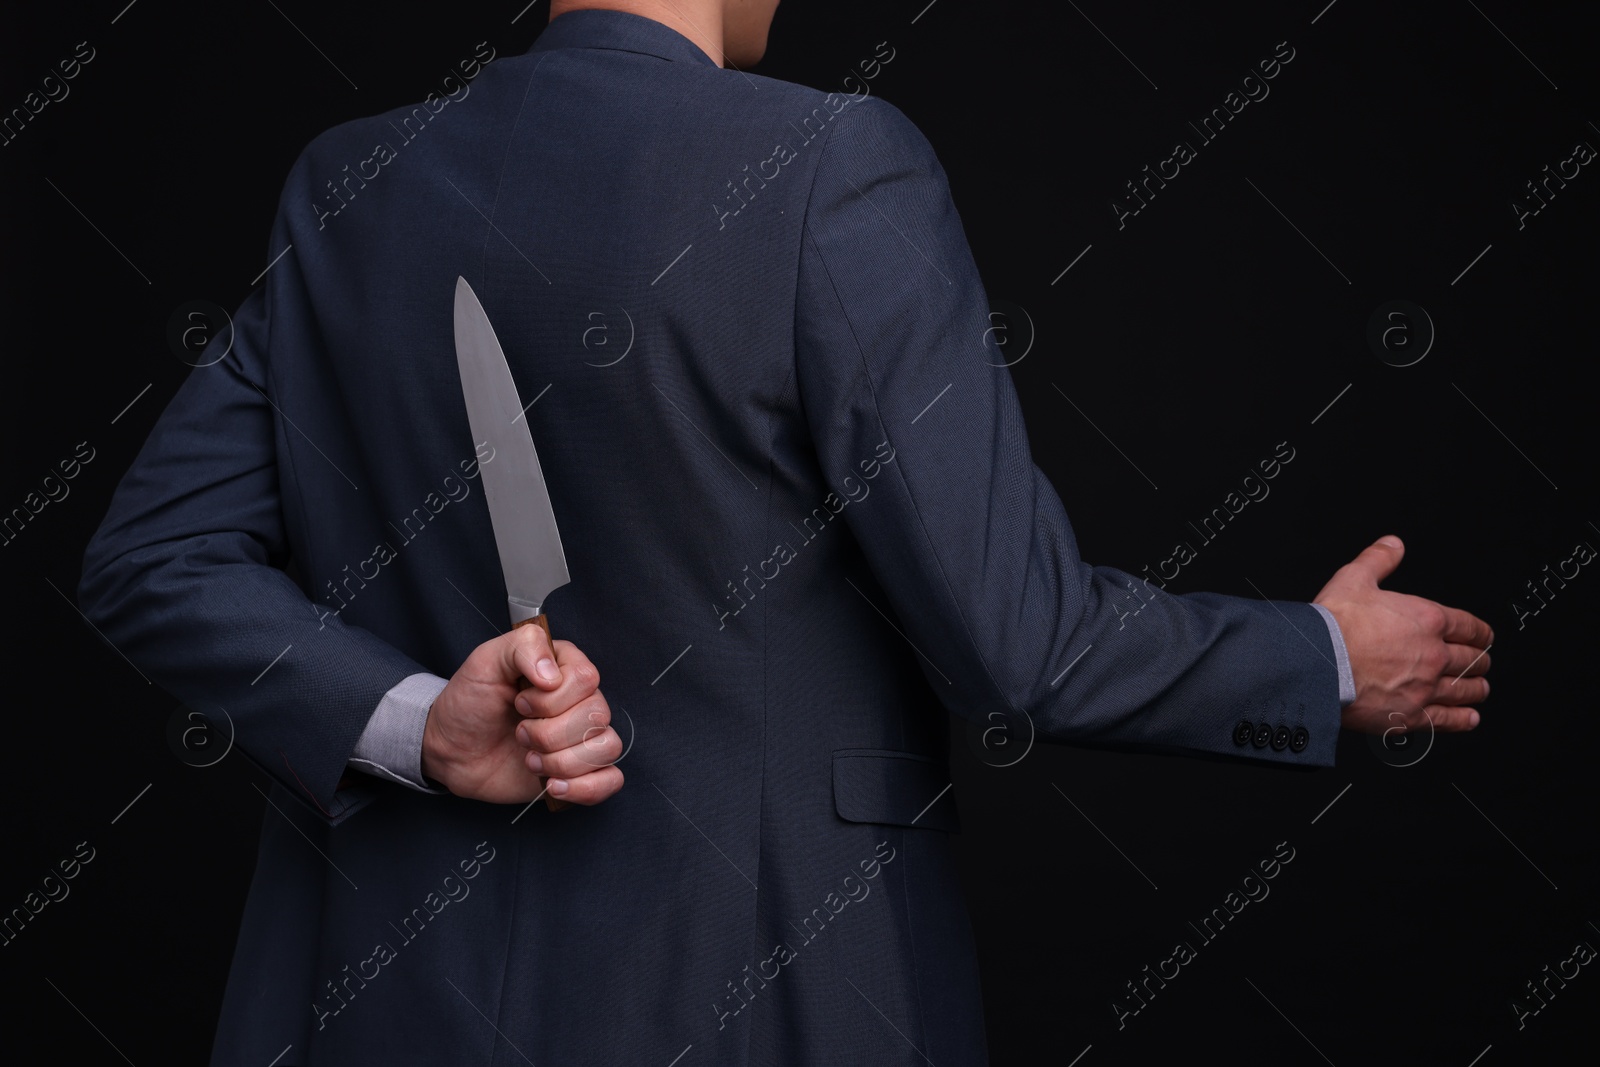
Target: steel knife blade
525 533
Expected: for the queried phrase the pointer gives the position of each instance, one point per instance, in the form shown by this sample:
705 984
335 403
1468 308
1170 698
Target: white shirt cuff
391 745
1347 678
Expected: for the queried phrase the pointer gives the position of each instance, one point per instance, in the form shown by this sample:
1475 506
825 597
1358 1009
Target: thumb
531 657
1378 560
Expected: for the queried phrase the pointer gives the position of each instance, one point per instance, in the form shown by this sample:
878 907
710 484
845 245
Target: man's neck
698 20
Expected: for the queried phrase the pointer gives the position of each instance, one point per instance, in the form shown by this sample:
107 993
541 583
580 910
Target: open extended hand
486 739
1415 662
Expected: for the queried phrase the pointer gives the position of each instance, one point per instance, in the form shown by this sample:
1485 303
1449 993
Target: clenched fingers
579 679
601 748
589 788
566 729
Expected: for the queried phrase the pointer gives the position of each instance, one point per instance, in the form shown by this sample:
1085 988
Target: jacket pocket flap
895 788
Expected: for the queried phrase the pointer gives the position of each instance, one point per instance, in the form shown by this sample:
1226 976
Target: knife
531 559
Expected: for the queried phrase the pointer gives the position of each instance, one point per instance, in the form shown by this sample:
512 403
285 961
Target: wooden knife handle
543 622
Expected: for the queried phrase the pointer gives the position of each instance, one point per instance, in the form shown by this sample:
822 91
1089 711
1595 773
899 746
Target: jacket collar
593 27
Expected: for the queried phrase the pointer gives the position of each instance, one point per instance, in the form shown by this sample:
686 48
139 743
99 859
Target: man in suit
801 518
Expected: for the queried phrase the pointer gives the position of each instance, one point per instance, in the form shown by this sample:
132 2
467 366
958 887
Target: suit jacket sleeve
185 576
966 536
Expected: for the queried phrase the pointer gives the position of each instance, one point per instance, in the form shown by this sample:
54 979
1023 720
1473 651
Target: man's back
801 520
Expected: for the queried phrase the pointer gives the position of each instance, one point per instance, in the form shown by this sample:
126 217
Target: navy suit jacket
802 521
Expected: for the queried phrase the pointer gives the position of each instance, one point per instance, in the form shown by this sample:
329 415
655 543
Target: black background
1221 320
